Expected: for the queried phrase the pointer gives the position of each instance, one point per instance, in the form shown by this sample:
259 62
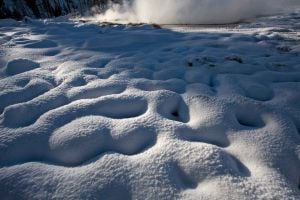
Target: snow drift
192 11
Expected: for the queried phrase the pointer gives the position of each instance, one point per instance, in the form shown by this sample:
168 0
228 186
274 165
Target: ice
94 111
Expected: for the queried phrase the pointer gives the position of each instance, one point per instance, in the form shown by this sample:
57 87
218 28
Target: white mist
193 11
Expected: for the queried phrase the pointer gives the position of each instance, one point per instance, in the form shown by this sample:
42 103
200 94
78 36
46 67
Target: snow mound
91 111
42 44
18 66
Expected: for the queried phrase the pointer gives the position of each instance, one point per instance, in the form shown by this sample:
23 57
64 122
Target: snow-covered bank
136 112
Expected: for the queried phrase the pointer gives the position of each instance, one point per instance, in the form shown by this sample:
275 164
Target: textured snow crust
91 111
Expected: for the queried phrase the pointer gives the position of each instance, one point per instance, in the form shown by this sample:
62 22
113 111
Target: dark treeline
49 8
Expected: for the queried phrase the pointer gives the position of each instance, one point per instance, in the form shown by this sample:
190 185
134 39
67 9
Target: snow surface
93 111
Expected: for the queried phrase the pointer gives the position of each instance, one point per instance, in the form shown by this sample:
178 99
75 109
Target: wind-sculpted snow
94 111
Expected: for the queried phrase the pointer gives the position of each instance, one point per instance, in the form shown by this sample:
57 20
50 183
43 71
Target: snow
18 66
95 111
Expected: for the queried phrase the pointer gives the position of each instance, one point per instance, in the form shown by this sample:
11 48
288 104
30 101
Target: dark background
49 8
